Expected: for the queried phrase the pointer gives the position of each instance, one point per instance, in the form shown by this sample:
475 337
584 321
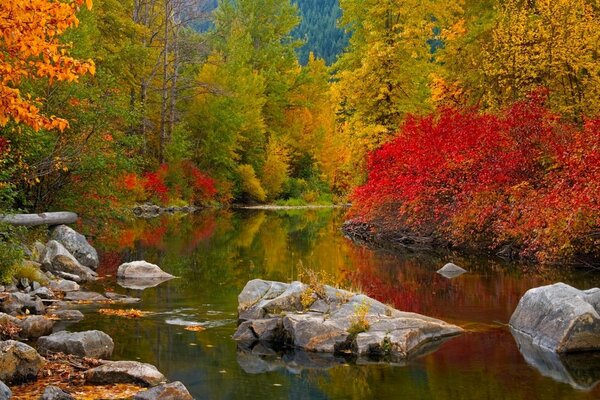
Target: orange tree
30 49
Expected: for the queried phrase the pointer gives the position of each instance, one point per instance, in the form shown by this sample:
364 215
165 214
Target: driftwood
49 218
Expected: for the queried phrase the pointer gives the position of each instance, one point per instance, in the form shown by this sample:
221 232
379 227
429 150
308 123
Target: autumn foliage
30 49
521 177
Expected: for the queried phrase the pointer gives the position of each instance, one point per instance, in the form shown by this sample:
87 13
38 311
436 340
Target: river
215 253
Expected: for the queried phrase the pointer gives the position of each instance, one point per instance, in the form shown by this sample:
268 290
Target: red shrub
522 175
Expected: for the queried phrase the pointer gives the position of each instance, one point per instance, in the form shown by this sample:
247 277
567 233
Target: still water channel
214 254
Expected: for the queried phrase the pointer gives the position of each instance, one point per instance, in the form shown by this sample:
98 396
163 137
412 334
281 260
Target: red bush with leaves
522 177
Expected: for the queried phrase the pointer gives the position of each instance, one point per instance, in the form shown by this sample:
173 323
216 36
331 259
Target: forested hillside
108 103
319 28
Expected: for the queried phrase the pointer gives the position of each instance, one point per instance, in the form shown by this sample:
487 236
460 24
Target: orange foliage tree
30 49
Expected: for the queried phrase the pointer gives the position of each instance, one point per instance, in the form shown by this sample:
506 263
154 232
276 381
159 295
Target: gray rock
55 393
141 270
21 303
68 277
35 326
125 372
95 344
56 258
43 293
272 312
18 362
23 283
68 315
167 391
141 283
85 296
63 285
35 285
451 270
38 250
558 318
5 392
77 245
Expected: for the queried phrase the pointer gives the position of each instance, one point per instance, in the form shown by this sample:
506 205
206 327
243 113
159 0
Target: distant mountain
319 29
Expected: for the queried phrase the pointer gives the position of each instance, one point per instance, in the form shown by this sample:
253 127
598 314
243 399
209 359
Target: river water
214 254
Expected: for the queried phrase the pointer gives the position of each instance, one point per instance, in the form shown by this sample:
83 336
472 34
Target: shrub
360 323
523 176
11 252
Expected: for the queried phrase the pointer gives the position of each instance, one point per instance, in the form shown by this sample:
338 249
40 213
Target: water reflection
216 253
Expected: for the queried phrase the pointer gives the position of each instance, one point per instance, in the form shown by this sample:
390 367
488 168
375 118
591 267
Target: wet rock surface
56 393
95 344
125 372
5 392
559 318
329 320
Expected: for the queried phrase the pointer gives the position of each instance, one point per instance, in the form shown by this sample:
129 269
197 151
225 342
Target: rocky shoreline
40 359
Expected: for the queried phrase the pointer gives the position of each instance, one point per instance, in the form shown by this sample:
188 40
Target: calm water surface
216 253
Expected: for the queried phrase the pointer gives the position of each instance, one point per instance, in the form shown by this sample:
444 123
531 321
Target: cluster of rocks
148 210
330 320
38 309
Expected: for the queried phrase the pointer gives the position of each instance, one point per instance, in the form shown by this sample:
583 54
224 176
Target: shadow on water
214 254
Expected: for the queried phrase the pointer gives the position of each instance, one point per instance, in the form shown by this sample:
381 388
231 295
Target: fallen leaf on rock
195 328
131 313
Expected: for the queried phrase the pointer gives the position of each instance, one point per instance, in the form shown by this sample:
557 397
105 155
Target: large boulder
20 303
95 344
18 362
56 259
559 318
5 392
77 245
329 320
125 372
167 391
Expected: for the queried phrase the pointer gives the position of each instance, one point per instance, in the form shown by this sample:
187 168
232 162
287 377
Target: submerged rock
77 245
167 391
18 362
451 270
85 297
56 393
95 344
559 318
125 372
343 322
68 315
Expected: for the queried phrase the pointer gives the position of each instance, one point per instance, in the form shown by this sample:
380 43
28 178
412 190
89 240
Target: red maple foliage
522 176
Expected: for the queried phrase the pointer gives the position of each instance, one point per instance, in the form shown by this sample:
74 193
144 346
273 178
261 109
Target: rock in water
56 258
559 318
64 285
21 303
140 275
125 372
18 362
95 344
35 326
167 391
5 393
77 245
141 270
55 393
336 321
451 270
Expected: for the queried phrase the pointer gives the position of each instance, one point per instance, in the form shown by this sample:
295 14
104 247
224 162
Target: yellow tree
30 49
549 43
